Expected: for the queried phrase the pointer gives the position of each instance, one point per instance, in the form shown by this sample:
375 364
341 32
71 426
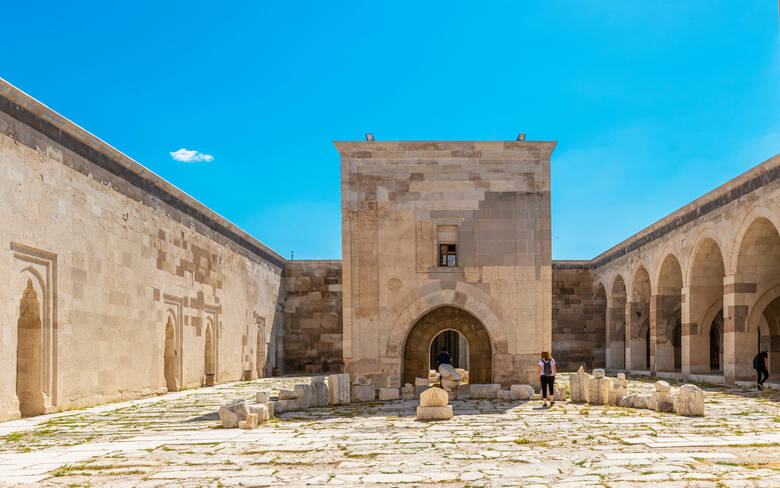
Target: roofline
24 108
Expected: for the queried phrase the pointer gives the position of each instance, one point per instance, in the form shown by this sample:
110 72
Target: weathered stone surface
449 385
662 387
251 422
621 376
616 394
363 393
419 389
507 395
289 394
627 401
689 401
261 410
523 392
233 413
304 395
560 394
338 389
448 372
362 381
319 393
262 396
287 405
434 413
433 397
422 382
388 394
393 382
598 390
485 391
578 386
269 405
599 373
407 392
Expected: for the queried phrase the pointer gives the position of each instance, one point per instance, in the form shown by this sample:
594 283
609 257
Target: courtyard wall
97 256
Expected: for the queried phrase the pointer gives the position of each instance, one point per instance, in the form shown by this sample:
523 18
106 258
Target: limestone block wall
578 317
491 200
113 283
313 335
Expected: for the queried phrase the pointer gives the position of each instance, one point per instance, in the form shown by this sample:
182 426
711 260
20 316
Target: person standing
443 357
762 372
547 377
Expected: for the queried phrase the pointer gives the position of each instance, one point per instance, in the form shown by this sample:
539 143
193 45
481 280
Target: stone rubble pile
597 389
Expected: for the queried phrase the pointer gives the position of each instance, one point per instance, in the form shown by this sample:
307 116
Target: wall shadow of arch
416 349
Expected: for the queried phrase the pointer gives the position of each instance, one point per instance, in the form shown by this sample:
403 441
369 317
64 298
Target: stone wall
313 331
489 201
98 256
578 319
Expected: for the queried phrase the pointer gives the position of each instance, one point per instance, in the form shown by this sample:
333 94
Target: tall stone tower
446 236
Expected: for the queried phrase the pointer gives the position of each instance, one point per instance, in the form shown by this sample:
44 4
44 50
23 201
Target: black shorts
548 382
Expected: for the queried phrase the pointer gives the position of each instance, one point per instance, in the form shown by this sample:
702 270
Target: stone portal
418 344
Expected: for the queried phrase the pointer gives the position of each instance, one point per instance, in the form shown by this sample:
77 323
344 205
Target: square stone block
434 413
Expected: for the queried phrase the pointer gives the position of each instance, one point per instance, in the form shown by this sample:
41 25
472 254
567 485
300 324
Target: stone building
446 236
114 284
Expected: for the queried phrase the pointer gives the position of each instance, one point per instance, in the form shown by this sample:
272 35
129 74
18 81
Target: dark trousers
548 382
759 374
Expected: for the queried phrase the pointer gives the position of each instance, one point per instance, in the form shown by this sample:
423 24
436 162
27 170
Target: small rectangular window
448 256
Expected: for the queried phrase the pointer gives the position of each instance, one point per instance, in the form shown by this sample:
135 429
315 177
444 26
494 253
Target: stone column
656 309
738 348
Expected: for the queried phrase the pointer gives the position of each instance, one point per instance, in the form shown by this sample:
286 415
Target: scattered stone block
621 376
485 391
363 393
262 396
689 401
388 394
560 394
319 392
269 405
407 392
662 387
422 382
523 392
289 394
599 373
362 381
434 397
627 401
665 402
449 373
578 386
251 422
304 395
261 411
598 390
287 405
452 394
618 383
616 394
449 385
338 389
232 413
393 382
643 401
434 413
433 377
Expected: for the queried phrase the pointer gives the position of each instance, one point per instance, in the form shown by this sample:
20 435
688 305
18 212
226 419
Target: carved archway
417 345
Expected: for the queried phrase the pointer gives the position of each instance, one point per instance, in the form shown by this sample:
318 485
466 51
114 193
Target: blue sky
653 103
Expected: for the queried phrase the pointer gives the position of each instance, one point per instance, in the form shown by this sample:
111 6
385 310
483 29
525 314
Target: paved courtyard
176 440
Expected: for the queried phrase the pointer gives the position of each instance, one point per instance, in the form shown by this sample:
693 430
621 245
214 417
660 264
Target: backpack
758 362
547 368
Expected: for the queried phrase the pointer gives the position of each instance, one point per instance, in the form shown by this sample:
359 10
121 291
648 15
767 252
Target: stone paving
175 440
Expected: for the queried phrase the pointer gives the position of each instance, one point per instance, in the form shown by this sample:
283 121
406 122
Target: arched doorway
419 342
705 299
209 356
638 314
456 345
716 343
169 356
29 365
668 313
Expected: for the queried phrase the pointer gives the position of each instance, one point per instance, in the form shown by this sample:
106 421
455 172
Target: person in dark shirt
443 357
762 373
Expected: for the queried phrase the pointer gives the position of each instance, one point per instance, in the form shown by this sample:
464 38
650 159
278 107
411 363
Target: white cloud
187 156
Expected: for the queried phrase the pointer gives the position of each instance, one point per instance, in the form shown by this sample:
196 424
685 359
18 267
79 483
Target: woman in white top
547 377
